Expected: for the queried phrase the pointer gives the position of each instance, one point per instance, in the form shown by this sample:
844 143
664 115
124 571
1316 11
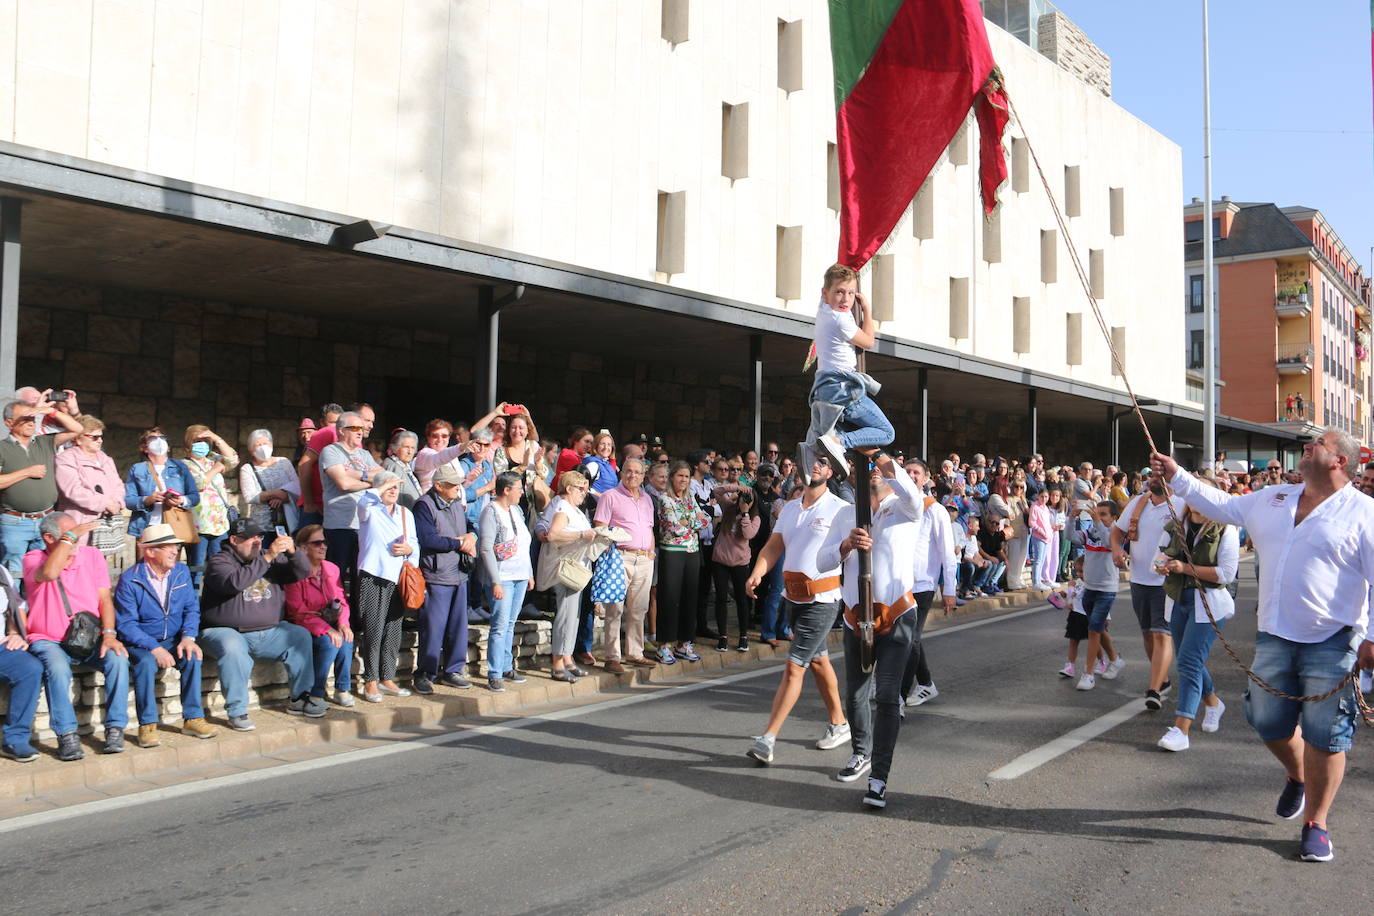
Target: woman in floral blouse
208 457
679 523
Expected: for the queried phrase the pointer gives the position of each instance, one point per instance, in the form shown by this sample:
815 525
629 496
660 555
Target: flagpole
1209 365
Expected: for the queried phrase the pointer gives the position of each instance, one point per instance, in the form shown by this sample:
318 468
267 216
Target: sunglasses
319 543
95 436
770 451
356 429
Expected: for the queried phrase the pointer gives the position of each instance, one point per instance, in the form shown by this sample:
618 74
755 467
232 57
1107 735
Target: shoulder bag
411 582
83 630
279 513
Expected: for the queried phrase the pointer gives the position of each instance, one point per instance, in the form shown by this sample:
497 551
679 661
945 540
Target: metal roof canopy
104 225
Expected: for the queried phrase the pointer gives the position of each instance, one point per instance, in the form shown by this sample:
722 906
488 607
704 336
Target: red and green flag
906 74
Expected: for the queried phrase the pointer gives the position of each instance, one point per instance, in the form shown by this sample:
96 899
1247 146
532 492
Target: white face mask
157 447
263 452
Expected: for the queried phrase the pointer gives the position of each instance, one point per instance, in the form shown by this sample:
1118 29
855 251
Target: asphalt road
649 806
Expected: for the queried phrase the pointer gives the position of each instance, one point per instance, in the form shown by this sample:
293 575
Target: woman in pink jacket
88 486
319 604
739 522
1041 534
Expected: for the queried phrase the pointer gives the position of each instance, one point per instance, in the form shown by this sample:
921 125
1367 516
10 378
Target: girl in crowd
579 444
268 485
319 604
565 525
680 522
503 544
386 537
88 486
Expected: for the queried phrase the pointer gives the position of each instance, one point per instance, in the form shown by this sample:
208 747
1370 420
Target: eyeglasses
356 429
319 543
96 437
721 467
18 420
770 451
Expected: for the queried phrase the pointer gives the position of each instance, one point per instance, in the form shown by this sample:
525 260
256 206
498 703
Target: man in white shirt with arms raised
1317 538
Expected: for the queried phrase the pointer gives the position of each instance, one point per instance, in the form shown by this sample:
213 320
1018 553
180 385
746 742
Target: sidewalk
281 738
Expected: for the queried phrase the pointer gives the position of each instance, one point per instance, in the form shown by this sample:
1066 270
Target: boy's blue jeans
841 401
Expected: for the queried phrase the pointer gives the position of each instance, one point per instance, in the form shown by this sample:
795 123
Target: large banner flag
906 74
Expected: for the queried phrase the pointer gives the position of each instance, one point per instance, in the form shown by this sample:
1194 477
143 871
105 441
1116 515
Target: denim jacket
141 484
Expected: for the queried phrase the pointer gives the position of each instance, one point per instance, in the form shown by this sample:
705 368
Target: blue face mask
200 449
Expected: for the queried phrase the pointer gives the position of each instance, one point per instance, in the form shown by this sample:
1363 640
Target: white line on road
406 745
1065 743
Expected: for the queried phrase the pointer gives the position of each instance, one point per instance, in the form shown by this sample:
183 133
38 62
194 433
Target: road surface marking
1067 742
408 745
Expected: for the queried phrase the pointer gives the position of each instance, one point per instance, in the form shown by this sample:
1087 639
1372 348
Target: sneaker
114 741
834 736
69 747
306 705
742 645
665 655
1152 700
449 679
345 698
513 676
857 766
241 723
1114 668
1174 740
876 796
147 735
1101 666
1211 716
1069 670
23 752
195 727
422 685
831 447
1165 687
723 644
1366 682
688 652
1316 844
1291 800
495 686
1087 682
806 456
762 749
922 694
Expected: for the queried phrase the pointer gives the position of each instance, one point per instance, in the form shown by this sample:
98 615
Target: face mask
157 447
263 452
200 449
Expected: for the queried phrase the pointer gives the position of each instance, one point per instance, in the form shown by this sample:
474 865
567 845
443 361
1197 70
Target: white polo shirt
896 528
1151 528
1316 576
803 532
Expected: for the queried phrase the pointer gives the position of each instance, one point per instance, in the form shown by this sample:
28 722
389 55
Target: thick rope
1351 679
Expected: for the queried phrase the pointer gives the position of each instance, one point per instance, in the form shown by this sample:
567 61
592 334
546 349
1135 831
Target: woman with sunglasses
159 481
1018 539
319 604
88 486
564 525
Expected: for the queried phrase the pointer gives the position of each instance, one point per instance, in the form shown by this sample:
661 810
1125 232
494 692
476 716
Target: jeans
236 652
1037 554
1304 669
503 614
891 652
774 623
840 400
326 656
917 671
144 669
197 555
1099 608
24 675
443 622
18 536
1192 644
57 683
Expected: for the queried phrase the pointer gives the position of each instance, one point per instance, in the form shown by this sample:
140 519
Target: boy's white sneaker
1086 682
1211 716
831 447
1114 668
1174 740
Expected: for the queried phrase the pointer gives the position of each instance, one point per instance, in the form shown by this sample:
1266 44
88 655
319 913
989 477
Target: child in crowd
843 413
1100 582
1076 627
971 562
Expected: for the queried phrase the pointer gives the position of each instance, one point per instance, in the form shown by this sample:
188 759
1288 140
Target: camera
58 396
746 497
514 409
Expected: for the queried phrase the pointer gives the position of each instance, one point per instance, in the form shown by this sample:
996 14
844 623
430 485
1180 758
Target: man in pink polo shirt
63 580
630 508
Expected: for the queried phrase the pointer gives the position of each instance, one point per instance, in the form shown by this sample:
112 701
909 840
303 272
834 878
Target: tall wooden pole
863 518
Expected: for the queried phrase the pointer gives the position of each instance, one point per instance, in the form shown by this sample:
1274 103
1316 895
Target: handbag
411 582
609 582
83 630
573 574
504 550
109 535
183 524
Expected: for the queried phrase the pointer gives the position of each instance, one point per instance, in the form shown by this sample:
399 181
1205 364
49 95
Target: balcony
1295 305
1294 359
1297 412
1357 430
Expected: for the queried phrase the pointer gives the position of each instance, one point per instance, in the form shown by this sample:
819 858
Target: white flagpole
1209 364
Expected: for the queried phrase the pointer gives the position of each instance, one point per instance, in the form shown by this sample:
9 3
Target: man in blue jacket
157 614
444 536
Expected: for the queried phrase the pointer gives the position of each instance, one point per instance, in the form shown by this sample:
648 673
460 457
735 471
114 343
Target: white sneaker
1174 740
1114 668
1366 682
1086 682
922 694
1101 666
343 698
1068 670
1211 716
831 447
834 736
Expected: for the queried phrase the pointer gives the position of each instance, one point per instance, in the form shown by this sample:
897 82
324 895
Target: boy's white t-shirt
834 331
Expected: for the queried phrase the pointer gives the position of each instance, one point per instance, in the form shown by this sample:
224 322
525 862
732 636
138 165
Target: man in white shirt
813 602
1141 526
1318 541
896 531
933 562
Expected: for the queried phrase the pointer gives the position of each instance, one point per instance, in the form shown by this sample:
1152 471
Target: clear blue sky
1285 77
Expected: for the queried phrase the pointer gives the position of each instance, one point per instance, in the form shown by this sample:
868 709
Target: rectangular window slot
672 232
790 58
1021 324
958 307
734 140
789 262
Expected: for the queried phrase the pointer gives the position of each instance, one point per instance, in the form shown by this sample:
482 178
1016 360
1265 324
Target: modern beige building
628 205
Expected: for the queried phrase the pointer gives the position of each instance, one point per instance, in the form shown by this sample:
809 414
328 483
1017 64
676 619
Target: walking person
1313 617
813 599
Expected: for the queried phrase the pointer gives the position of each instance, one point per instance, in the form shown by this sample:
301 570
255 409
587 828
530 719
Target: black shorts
1076 627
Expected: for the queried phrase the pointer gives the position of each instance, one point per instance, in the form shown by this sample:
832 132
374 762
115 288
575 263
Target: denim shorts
811 625
1099 607
1304 669
1148 603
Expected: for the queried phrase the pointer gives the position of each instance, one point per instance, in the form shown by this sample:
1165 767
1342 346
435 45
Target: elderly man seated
157 615
242 613
21 672
64 581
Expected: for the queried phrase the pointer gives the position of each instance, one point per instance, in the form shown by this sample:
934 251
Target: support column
923 414
1111 434
1278 453
1249 451
488 340
756 391
1115 419
10 251
1033 421
1169 435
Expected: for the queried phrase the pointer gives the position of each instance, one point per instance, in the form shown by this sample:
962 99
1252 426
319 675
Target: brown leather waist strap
802 590
884 616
